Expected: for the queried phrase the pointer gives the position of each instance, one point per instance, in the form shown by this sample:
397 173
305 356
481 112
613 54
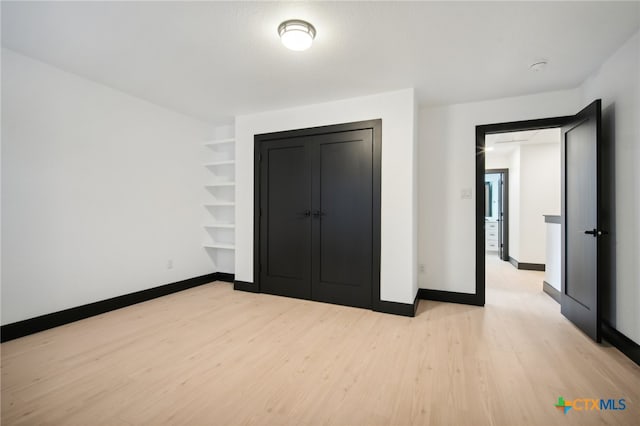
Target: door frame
505 210
481 132
376 127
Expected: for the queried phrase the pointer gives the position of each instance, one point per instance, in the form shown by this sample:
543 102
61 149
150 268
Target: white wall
495 160
534 191
553 262
540 188
99 191
617 83
446 242
397 111
514 204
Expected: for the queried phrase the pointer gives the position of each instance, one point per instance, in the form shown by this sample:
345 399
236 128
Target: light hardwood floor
210 355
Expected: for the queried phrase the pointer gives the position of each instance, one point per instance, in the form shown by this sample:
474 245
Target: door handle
317 213
596 233
306 213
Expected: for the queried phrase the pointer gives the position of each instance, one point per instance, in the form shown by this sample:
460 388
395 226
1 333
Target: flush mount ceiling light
296 34
538 65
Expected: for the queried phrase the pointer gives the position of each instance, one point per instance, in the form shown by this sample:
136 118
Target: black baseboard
527 266
551 291
531 266
224 276
55 319
395 308
450 296
245 286
625 345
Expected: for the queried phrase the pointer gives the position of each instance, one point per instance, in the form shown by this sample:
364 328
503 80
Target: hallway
505 282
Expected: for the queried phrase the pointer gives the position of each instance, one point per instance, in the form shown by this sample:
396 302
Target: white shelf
221 184
220 163
221 204
219 246
219 142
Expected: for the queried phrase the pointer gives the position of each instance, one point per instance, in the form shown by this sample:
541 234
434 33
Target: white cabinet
491 235
553 259
220 204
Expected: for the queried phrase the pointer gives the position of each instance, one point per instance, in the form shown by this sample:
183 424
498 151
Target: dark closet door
342 224
285 218
317 210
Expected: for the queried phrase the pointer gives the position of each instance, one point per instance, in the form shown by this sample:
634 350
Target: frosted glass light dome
296 34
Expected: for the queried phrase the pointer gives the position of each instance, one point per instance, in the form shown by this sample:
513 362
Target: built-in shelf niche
219 204
223 257
221 163
220 194
220 184
220 142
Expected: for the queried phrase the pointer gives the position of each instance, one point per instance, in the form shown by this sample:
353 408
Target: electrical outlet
170 264
421 268
465 193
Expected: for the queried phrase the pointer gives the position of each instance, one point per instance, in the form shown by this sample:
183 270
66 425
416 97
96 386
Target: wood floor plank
210 355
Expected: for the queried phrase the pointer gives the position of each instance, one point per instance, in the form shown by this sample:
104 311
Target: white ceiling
214 60
500 144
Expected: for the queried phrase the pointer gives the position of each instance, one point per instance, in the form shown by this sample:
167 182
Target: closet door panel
342 226
285 219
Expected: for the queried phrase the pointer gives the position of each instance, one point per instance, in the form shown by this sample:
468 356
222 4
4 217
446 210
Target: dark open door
584 234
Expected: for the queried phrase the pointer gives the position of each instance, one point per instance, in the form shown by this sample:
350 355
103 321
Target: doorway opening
534 159
584 212
491 138
496 201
